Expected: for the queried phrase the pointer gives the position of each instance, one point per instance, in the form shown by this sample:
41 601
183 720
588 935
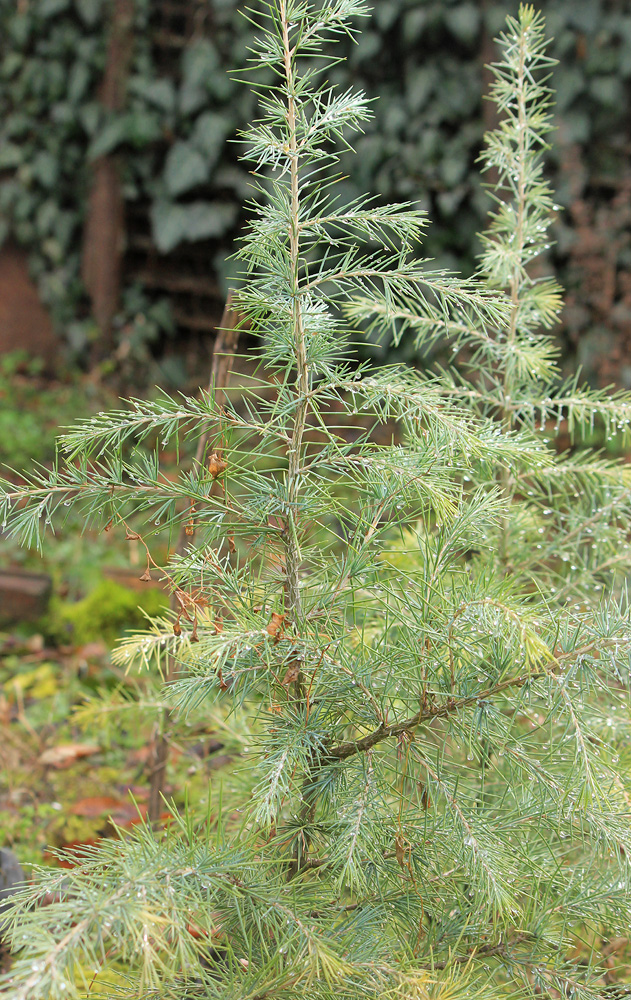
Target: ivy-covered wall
52 59
423 59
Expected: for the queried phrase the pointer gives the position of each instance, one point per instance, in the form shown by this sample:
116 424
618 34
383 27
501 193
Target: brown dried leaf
293 670
216 465
94 806
92 651
275 624
401 850
66 754
424 797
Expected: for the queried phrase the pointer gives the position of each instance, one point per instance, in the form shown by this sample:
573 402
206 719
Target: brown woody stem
345 750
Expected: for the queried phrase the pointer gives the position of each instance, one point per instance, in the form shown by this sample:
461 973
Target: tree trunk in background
104 236
25 324
488 55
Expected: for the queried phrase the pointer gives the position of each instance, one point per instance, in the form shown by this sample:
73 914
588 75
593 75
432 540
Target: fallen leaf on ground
122 813
95 806
35 643
73 854
129 813
92 651
139 756
66 754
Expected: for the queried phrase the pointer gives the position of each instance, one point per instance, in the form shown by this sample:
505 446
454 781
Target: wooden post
225 346
104 235
23 596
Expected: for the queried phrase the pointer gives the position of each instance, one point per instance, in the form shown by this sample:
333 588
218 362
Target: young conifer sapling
422 645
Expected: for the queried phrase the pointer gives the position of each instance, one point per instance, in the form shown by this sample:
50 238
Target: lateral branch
433 711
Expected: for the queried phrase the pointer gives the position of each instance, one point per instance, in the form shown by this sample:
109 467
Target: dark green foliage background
423 59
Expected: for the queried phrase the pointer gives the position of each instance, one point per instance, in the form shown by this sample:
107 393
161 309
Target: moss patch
110 610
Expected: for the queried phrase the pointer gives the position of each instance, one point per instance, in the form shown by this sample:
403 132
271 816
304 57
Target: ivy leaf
46 169
19 29
420 84
159 93
17 125
209 219
168 225
11 63
368 47
50 8
200 63
576 126
90 115
46 216
136 127
172 223
78 81
209 133
11 155
608 90
161 314
414 23
463 21
191 100
585 15
570 82
142 127
62 113
185 168
108 138
386 14
89 11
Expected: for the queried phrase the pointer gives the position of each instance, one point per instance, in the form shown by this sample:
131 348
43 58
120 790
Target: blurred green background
127 108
